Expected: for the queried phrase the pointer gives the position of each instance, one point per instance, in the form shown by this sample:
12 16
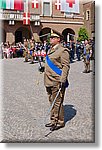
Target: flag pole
31 31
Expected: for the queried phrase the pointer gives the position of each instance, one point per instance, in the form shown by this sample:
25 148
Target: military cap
56 34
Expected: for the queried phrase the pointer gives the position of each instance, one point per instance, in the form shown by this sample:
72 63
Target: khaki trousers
87 65
26 56
57 112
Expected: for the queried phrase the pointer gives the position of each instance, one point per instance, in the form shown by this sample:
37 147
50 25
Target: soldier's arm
32 47
65 65
90 51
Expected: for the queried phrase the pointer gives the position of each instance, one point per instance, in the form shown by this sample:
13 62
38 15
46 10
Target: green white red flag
12 4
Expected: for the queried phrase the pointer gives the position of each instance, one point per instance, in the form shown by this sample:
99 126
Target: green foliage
82 34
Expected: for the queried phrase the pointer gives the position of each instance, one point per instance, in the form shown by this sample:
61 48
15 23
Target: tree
83 34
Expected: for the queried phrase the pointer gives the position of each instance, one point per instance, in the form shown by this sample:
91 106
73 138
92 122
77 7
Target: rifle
40 68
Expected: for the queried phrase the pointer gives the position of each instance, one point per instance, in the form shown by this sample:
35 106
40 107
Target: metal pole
31 31
44 35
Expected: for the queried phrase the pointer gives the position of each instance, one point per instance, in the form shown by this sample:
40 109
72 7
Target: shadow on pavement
69 112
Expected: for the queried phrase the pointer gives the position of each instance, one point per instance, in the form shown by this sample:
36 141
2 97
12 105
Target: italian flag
12 4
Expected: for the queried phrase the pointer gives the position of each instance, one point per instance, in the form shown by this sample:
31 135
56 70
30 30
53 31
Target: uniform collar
56 46
53 49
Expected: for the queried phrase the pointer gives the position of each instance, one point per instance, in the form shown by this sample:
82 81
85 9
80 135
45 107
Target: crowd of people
11 51
36 51
77 49
29 49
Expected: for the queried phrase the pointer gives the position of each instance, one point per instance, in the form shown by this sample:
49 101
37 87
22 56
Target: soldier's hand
62 85
41 68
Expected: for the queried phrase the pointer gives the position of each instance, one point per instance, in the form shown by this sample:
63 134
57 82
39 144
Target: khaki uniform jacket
60 57
31 46
88 47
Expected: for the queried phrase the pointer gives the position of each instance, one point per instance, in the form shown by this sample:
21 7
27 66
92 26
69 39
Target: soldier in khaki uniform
32 50
87 56
26 50
53 81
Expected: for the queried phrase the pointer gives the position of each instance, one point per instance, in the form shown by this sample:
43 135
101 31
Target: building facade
45 17
89 17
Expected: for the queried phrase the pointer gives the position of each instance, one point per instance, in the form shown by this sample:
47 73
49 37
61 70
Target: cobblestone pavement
25 104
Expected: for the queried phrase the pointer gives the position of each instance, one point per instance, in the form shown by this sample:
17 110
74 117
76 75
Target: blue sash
53 66
88 57
31 53
55 69
84 50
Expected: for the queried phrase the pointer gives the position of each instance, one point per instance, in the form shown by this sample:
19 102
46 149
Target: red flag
18 4
58 5
26 18
35 3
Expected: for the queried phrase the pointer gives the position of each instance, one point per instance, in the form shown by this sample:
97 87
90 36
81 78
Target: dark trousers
78 56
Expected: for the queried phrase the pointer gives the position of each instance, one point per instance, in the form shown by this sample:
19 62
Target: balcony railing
17 16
